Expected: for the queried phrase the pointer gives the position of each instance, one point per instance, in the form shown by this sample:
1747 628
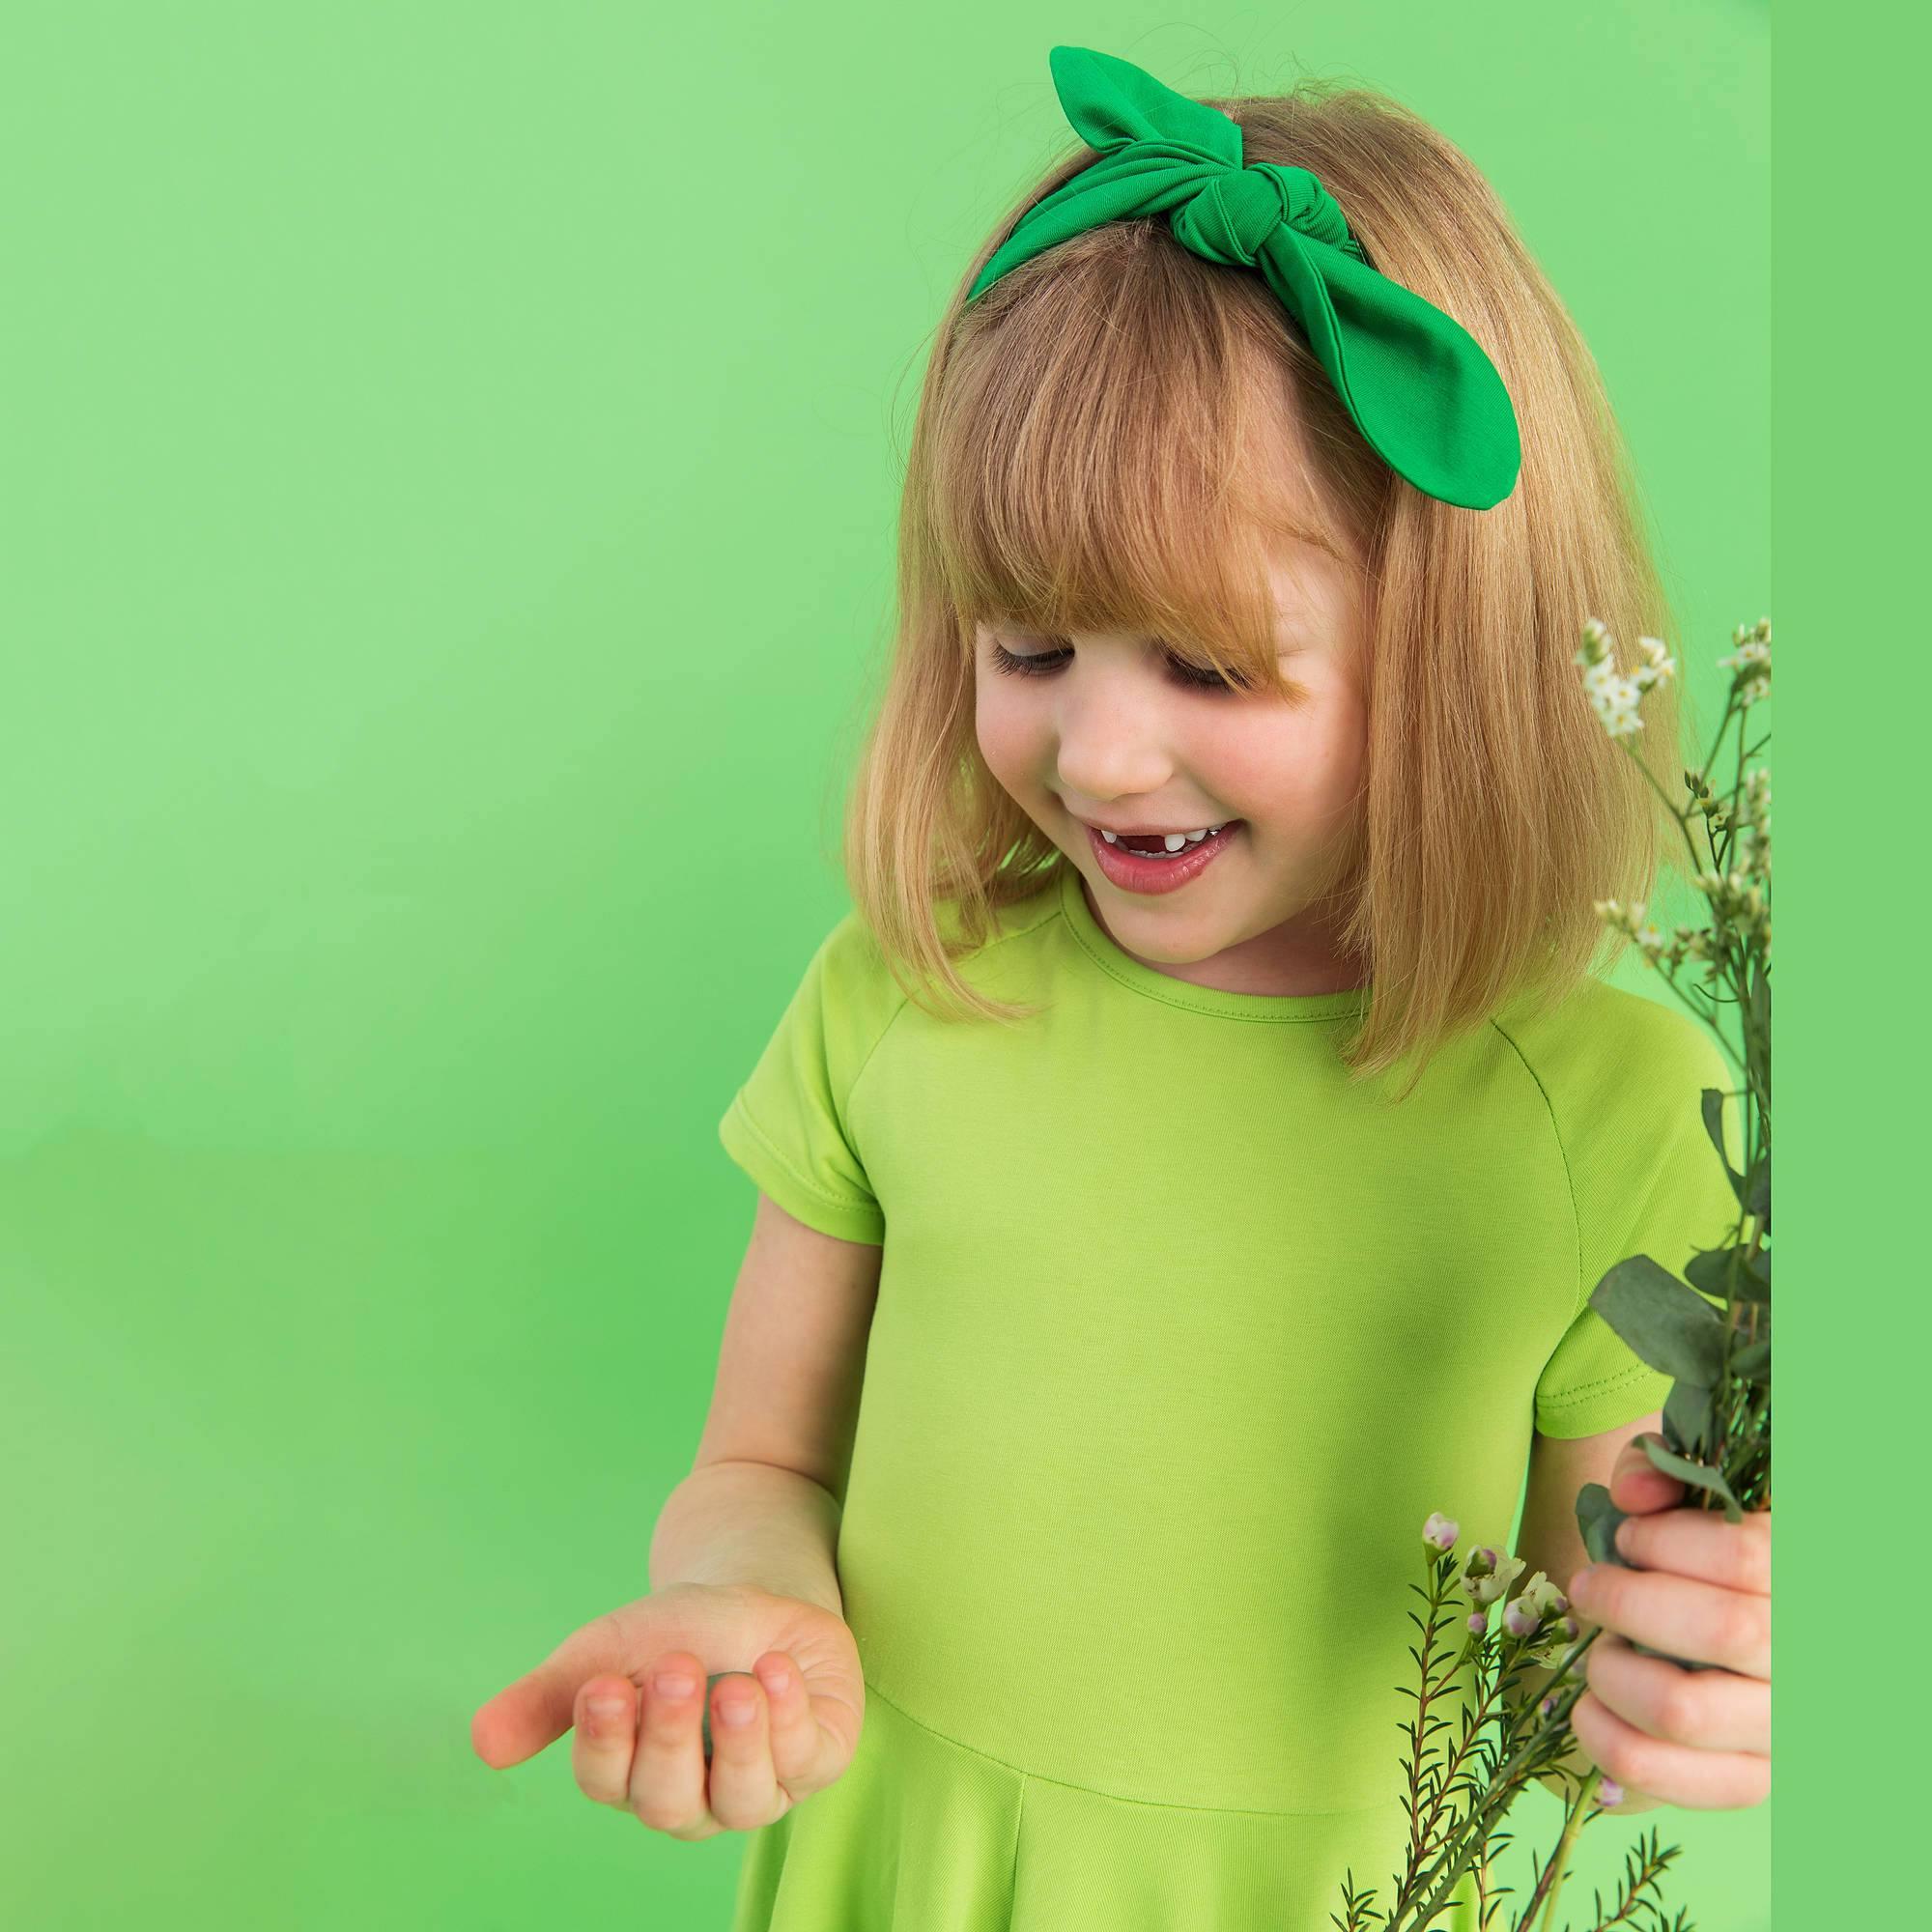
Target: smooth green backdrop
450 470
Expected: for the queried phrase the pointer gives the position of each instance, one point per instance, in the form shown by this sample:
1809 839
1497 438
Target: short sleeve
789 1125
1645 1180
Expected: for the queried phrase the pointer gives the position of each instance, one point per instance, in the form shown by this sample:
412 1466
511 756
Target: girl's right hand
794 1663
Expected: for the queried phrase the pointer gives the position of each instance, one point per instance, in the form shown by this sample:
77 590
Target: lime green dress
1180 1337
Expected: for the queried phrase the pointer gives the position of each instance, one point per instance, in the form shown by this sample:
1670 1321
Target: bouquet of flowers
1709 1332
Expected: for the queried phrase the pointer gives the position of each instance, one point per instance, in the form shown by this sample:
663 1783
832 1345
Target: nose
1111 744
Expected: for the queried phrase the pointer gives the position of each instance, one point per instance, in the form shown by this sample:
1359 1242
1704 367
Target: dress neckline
1139 978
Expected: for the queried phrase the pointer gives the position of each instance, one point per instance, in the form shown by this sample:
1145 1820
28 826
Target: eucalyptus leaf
1713 1125
1670 1324
1687 1417
1752 1361
1597 1518
1709 1269
1697 1475
1757 1196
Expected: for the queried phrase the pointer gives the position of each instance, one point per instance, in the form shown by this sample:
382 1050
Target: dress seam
1113 1797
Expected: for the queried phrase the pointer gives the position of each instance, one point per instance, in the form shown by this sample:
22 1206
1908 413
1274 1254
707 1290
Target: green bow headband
1420 389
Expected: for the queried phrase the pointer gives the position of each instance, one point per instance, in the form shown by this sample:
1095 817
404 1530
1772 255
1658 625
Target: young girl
1187 1166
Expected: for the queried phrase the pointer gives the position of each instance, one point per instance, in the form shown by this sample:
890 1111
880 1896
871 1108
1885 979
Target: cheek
1011 737
1298 772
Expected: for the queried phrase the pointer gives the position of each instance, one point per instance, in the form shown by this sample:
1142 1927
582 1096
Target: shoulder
1598 1042
1623 1077
862 985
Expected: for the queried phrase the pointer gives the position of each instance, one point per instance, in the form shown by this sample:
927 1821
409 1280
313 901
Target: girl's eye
1043 664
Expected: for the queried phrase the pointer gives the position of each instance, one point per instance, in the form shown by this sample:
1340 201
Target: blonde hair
1110 439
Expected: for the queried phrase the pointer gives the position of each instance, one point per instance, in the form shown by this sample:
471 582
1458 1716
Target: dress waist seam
1116 1797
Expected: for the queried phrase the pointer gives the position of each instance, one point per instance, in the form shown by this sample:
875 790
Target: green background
451 457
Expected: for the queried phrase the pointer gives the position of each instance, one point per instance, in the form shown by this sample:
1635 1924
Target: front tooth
1112 838
1195 838
1174 840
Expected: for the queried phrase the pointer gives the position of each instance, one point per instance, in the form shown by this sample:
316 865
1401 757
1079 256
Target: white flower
1752 661
1540 1597
1489 1579
1612 695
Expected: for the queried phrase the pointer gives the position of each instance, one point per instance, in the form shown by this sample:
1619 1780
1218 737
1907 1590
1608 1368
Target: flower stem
1551 1881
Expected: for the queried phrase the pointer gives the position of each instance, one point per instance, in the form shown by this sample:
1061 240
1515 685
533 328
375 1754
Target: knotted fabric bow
1418 385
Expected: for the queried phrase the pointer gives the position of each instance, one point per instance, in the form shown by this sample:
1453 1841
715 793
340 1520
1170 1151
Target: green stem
1473 1831
1551 1881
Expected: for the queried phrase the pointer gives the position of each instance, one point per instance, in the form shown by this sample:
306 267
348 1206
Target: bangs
1096 463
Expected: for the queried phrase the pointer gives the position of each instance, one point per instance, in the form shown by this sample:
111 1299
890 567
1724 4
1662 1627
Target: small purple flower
1547 1705
1609 1792
1440 1531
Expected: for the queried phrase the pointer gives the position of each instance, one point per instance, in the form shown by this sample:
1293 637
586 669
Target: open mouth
1154 862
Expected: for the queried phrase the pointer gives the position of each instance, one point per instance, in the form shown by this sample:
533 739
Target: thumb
1637 1486
539 1706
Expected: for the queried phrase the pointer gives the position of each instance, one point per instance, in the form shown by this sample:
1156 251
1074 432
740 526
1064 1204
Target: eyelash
1043 664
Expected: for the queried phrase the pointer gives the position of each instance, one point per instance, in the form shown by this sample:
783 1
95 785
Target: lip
1133 874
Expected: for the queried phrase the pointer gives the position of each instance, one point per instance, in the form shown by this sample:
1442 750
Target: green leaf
1667 1321
1752 1361
1597 1518
1710 1270
1757 1195
1697 1475
1713 1125
1687 1417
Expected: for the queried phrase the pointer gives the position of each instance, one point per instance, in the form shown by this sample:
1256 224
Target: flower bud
1542 1596
1609 1792
1440 1531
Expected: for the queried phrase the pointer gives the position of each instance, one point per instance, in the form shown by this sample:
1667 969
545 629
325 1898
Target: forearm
750 1522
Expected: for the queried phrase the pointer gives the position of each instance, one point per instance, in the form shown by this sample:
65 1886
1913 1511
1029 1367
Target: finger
1703 1781
541 1705
1678 1614
1636 1485
1712 1710
806 1752
667 1787
743 1792
1701 1544
603 1737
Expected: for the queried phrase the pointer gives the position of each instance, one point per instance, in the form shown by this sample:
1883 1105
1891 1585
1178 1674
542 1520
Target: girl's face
1101 730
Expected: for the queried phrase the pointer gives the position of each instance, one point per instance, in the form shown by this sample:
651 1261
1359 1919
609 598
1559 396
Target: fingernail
1581 1582
674 1683
610 1707
737 1712
777 1681
1623 1536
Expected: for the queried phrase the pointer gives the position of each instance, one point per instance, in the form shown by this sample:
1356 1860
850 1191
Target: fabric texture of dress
1180 1336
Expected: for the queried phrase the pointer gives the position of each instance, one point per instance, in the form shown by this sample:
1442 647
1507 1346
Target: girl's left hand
1696 1737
